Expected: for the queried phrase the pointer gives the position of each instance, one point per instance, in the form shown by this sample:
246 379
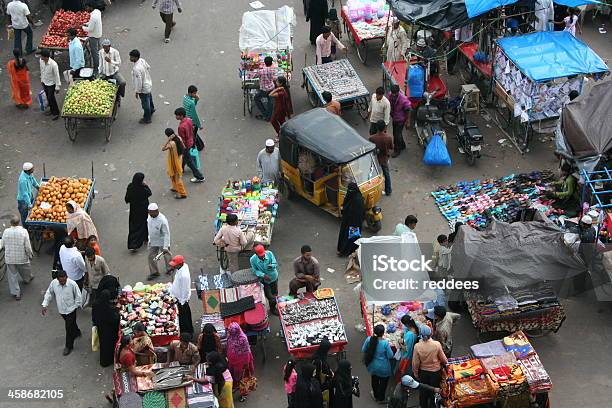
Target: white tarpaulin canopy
267 30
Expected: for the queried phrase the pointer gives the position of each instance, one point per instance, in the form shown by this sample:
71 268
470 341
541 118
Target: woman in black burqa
307 389
137 196
316 14
353 213
105 317
342 390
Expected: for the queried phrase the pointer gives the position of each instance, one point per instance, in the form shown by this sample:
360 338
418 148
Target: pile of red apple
54 41
63 20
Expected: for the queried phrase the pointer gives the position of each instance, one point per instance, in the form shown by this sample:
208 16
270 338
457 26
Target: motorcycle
468 135
428 121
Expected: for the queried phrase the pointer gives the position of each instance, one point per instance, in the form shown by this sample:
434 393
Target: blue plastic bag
416 80
196 157
436 153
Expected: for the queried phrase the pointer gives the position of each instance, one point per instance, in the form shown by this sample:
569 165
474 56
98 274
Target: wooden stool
472 100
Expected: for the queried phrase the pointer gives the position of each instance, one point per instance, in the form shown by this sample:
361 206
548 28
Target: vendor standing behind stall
325 41
181 290
264 266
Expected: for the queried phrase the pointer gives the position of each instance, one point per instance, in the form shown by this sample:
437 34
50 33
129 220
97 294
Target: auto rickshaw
321 154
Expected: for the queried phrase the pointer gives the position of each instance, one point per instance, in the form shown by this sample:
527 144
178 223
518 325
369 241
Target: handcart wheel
313 98
249 101
362 107
71 128
36 238
362 51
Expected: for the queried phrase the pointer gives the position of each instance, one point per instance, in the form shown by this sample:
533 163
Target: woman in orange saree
20 80
174 162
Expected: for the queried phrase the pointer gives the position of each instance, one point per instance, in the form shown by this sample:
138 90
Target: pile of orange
56 192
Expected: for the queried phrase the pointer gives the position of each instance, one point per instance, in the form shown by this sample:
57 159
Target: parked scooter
468 134
428 121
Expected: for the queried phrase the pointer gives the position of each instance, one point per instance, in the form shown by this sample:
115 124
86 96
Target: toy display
389 315
153 306
251 63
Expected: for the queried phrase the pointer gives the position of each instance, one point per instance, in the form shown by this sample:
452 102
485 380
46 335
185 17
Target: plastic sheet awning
267 30
547 55
477 7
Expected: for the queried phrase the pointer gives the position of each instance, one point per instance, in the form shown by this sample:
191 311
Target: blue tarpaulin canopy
547 55
477 7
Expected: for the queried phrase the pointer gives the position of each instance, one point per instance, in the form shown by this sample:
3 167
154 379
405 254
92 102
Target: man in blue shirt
25 195
75 51
264 266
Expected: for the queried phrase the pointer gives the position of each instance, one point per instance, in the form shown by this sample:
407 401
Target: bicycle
222 257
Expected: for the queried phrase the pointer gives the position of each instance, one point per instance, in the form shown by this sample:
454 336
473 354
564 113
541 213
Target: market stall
255 204
264 33
238 298
93 102
309 318
55 38
49 211
365 23
340 79
505 372
533 75
166 388
153 306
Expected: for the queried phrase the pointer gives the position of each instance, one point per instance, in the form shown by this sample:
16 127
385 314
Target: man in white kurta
396 42
181 290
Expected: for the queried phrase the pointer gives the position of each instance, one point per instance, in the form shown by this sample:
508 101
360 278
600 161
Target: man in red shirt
185 132
384 145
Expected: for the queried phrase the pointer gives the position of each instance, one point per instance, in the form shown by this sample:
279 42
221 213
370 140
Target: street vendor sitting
184 351
568 197
142 346
127 358
234 240
307 274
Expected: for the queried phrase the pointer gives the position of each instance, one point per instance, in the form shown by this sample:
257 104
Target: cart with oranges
48 215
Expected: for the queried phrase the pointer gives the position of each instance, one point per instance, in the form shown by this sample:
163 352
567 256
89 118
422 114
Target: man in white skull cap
159 240
25 191
268 163
110 61
397 41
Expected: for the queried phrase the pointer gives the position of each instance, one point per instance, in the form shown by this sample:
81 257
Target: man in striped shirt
166 11
189 103
267 74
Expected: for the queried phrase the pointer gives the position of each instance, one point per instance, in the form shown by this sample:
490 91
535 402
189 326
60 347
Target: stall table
468 49
361 38
340 79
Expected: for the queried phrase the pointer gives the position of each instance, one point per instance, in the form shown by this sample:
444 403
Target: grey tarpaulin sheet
514 255
440 14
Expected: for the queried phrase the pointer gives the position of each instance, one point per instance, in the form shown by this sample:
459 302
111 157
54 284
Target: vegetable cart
41 230
73 120
339 78
363 33
308 318
264 33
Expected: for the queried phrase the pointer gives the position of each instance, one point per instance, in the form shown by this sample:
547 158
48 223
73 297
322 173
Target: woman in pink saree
239 356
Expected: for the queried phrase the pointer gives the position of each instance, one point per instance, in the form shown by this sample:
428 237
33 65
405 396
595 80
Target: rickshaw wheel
286 191
313 98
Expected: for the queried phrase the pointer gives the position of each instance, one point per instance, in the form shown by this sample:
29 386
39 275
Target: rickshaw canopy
326 135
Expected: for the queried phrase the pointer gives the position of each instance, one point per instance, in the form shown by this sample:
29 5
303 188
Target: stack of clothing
473 392
492 348
466 370
510 380
518 344
536 375
198 395
492 362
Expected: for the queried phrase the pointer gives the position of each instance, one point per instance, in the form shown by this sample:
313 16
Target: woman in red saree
283 108
20 80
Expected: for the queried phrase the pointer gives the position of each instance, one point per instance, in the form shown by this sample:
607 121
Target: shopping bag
199 142
85 297
354 232
95 340
436 153
247 384
196 157
42 100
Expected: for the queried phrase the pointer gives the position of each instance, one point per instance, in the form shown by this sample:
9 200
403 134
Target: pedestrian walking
190 103
444 321
283 108
105 317
68 299
20 20
141 76
109 61
25 191
377 356
266 85
96 268
290 379
174 162
137 196
400 106
19 75
159 240
181 290
265 267
72 262
316 14
343 387
93 28
166 12
353 214
384 147
379 109
186 133
239 355
427 363
50 80
17 256
268 163
323 371
307 389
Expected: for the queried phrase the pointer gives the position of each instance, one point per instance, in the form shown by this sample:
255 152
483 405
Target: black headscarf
353 207
136 191
307 392
20 62
343 381
110 283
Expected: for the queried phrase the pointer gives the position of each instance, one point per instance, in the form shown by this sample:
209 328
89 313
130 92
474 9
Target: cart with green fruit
90 102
